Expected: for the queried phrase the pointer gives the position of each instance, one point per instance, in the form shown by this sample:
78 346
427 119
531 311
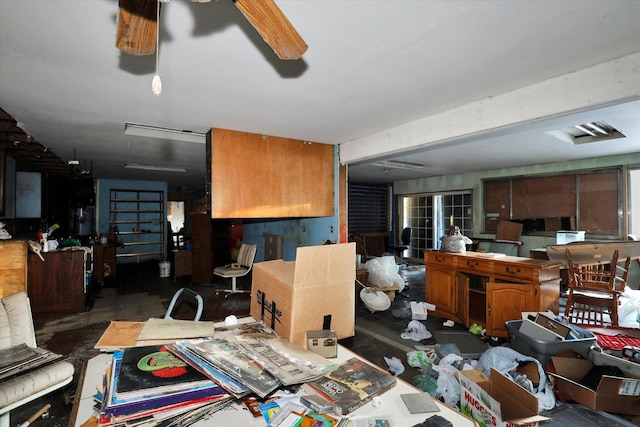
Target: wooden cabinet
201 252
182 263
13 267
104 262
210 246
56 286
471 288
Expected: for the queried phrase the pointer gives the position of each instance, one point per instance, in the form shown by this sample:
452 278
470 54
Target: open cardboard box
497 401
613 393
318 285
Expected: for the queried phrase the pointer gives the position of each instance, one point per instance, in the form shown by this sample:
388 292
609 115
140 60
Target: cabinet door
507 301
440 290
56 285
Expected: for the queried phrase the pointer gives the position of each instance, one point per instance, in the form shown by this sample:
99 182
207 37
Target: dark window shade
590 202
368 208
497 203
544 197
599 201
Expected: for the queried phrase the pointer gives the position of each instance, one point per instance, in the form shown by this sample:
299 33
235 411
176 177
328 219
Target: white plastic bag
416 331
383 272
448 385
395 365
455 243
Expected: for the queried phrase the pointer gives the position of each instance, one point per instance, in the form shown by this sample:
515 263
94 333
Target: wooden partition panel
261 176
13 267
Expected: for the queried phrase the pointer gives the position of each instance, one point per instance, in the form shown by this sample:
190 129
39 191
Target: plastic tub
165 269
544 350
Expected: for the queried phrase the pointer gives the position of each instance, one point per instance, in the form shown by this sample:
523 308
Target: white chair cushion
32 382
230 271
16 323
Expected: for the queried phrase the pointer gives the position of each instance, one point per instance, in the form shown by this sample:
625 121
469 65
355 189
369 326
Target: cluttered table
390 405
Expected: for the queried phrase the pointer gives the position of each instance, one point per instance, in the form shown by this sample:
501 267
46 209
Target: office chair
246 256
594 291
405 240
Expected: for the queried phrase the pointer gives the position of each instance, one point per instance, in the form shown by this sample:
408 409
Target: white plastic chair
246 256
191 293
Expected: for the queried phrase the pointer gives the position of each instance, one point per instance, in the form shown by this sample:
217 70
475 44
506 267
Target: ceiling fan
137 27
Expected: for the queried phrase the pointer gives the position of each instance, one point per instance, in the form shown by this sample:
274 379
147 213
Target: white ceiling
370 66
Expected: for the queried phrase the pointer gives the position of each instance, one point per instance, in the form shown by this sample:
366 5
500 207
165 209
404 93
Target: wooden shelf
139 218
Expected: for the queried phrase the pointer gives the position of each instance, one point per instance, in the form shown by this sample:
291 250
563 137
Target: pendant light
156 83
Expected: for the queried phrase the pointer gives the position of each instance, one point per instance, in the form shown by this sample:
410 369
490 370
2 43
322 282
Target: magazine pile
176 384
20 359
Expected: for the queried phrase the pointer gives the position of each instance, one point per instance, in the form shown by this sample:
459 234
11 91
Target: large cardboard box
497 401
612 394
319 284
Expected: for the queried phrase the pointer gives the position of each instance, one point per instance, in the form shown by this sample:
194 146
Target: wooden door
507 301
56 285
440 290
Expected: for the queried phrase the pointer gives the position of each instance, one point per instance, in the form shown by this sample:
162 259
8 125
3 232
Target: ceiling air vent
587 133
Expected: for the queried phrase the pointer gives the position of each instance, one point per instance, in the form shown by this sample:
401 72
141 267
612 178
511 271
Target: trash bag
456 243
395 365
416 331
448 385
420 358
383 272
425 383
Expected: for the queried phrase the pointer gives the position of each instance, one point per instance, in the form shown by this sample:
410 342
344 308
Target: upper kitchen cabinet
262 176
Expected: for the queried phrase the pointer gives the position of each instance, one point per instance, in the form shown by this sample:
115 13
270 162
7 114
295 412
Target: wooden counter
56 286
489 290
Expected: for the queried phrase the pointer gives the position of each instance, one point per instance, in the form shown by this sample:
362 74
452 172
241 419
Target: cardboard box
389 290
419 310
318 285
612 394
497 401
564 237
324 343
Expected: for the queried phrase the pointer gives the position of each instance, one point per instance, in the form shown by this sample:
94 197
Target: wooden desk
593 252
182 262
104 257
472 287
56 286
392 404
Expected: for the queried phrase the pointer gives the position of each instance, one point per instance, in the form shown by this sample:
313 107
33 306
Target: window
589 201
634 202
430 215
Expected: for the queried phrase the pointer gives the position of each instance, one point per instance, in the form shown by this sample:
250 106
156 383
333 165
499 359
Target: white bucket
165 269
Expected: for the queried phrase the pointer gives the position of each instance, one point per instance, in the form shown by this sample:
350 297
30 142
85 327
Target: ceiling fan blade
137 27
267 18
